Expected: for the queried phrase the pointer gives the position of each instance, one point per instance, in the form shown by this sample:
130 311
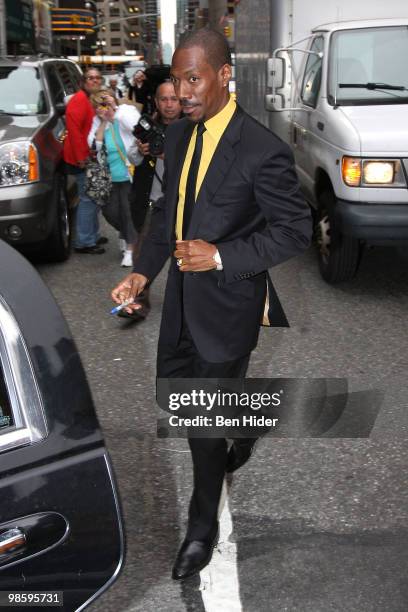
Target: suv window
313 74
54 84
75 75
67 78
21 91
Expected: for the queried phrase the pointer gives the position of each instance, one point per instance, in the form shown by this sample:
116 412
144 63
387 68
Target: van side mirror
274 102
275 80
276 69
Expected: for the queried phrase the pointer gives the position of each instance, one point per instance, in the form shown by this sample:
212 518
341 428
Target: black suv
35 198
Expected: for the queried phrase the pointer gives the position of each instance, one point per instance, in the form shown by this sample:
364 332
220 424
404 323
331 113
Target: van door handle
320 125
11 540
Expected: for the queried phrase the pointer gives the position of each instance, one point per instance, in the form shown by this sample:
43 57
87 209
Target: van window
313 74
363 60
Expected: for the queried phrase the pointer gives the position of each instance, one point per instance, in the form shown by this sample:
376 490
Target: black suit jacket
250 206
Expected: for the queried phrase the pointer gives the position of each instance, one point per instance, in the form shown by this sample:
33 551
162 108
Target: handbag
98 182
130 167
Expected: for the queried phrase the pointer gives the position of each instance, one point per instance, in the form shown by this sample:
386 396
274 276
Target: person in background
148 177
78 117
140 92
113 126
113 86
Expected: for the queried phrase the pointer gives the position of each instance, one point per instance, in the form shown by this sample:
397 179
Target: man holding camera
147 155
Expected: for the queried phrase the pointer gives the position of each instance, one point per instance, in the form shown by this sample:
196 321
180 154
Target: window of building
115 42
115 27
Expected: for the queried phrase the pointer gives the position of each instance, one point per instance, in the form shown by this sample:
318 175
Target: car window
6 414
22 416
55 85
66 76
313 74
21 91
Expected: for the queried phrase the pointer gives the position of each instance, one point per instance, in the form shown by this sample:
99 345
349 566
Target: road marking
219 581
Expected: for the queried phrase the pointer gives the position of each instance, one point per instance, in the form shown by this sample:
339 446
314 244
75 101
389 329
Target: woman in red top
79 116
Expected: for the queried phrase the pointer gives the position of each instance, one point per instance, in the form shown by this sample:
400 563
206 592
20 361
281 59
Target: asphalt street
310 524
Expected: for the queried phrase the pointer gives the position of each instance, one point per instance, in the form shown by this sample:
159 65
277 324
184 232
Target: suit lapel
221 162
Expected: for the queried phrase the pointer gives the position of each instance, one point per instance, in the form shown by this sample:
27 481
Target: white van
338 94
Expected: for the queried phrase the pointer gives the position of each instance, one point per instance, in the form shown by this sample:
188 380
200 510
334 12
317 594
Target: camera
149 131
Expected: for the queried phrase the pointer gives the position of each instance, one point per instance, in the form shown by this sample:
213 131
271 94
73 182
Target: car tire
338 255
57 247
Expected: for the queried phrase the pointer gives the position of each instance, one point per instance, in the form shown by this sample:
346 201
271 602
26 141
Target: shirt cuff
218 260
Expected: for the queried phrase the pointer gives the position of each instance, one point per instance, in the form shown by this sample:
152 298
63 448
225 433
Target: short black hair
87 70
214 44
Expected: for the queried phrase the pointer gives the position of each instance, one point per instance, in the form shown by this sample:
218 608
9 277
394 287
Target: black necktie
192 179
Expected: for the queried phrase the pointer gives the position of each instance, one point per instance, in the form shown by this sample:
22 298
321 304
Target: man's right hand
129 288
143 147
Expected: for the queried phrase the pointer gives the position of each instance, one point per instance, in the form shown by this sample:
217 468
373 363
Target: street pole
79 49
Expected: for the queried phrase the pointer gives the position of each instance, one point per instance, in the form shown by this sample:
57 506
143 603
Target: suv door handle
11 540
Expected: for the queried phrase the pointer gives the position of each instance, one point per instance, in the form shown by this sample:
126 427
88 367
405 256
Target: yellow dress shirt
215 128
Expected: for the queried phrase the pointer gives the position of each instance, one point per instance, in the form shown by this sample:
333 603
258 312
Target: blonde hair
100 96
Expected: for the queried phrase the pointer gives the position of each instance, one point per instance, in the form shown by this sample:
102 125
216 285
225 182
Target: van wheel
339 255
58 245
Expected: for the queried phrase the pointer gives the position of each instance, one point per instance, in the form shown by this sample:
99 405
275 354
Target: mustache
187 104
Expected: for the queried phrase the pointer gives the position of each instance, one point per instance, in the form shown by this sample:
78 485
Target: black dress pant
209 454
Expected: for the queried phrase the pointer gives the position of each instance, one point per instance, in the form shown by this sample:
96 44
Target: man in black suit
232 209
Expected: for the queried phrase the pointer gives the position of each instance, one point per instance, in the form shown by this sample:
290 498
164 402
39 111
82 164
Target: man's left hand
195 255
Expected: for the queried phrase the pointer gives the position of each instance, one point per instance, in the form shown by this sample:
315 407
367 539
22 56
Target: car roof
30 60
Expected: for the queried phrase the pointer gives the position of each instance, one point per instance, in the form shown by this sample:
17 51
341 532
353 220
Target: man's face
167 103
202 90
93 81
139 77
113 83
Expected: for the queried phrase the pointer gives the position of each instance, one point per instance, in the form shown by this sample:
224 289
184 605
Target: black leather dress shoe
239 453
90 250
192 557
102 240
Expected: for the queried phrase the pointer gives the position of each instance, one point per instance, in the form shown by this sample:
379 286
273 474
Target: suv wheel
339 255
58 245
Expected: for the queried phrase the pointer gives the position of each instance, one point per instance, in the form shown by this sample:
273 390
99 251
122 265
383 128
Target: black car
60 524
35 199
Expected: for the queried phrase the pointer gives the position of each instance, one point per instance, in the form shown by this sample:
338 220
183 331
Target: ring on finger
180 261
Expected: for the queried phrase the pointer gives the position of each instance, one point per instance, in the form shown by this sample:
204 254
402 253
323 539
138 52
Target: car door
60 522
